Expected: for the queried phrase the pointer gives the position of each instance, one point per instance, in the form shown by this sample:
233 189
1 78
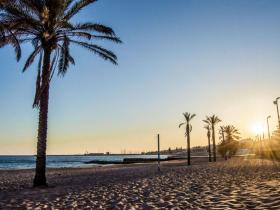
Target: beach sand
238 183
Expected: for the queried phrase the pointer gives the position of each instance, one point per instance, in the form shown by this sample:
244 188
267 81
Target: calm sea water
73 161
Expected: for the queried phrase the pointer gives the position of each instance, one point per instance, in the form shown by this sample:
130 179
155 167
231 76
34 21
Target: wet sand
234 184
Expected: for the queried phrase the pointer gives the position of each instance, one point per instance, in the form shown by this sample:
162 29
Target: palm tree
208 128
188 118
232 133
222 133
229 146
46 24
212 121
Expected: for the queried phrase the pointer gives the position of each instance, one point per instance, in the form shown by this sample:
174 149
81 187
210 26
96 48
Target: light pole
268 131
276 103
158 152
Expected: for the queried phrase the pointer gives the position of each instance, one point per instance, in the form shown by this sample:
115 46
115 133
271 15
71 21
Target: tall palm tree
46 24
222 133
208 128
188 118
212 121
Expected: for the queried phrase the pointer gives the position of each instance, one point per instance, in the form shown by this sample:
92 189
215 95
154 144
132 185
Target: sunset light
258 128
121 104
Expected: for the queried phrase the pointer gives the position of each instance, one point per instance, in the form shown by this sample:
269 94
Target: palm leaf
192 116
95 28
206 121
181 124
64 57
31 58
38 83
76 8
103 53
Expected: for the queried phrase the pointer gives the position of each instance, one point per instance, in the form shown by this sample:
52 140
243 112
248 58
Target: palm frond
64 57
31 58
93 27
109 38
40 88
181 124
192 116
67 4
89 36
15 43
38 83
33 6
77 7
17 12
79 34
207 127
206 121
102 52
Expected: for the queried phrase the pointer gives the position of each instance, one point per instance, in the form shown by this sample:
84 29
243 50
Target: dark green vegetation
46 24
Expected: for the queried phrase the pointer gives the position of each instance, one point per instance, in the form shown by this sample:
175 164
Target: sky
205 57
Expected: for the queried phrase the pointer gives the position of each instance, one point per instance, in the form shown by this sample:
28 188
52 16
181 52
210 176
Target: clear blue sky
200 56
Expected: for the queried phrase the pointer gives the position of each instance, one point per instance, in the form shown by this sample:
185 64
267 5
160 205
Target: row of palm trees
47 26
212 121
227 134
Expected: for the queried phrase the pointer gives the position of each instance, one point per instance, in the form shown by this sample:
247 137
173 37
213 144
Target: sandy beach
237 183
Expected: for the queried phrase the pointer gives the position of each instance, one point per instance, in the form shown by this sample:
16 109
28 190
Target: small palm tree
229 146
212 121
208 128
46 24
232 133
188 118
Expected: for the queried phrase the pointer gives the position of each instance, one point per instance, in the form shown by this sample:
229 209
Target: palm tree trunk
209 148
214 143
188 143
40 176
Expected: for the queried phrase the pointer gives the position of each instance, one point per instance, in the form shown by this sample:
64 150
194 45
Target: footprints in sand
250 184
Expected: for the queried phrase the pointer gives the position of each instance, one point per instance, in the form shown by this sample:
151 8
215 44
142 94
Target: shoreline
76 162
112 165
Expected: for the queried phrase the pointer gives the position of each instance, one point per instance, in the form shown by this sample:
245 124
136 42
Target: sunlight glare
258 128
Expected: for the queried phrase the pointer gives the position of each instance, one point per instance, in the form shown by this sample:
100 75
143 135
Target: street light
268 132
276 103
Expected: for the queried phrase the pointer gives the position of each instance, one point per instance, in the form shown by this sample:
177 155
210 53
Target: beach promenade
234 184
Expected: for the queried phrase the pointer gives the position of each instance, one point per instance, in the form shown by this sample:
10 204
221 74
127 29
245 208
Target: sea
63 161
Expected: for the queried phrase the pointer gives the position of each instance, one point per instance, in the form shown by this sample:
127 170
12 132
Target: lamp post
268 131
158 141
276 103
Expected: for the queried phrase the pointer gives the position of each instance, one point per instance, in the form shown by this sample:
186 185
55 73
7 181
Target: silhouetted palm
222 133
231 132
212 121
208 128
46 24
229 146
188 118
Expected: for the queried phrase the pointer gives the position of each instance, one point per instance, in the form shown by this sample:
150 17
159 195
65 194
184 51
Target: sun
257 128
